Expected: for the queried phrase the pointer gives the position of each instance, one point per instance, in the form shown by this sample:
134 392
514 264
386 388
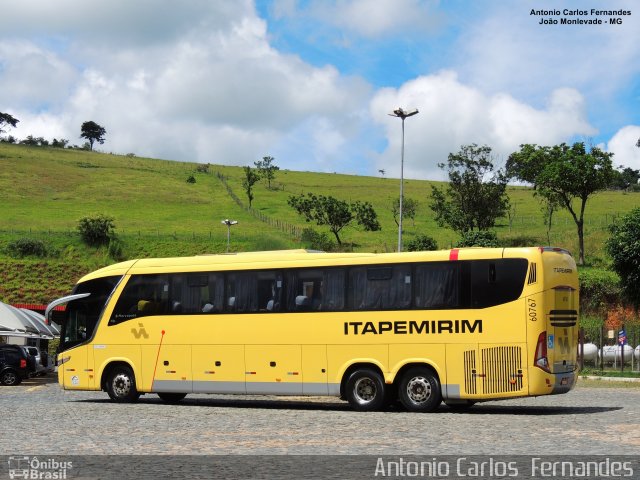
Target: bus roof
303 258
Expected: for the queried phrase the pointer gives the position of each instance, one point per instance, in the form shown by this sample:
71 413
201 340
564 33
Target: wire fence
281 225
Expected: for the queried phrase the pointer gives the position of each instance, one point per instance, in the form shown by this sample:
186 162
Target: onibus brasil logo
38 469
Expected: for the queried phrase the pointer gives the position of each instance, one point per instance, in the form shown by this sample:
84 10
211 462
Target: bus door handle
272 364
218 363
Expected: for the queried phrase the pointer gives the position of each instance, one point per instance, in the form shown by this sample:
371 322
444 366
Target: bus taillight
540 360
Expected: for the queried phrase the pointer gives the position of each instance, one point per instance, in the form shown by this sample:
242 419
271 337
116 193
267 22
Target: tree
567 174
250 179
59 143
7 120
409 208
336 214
267 169
476 195
624 248
624 177
550 205
382 172
93 133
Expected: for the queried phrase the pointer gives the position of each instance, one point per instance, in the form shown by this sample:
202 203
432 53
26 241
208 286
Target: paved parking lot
40 418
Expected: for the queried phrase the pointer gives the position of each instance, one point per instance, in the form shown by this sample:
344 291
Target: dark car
14 364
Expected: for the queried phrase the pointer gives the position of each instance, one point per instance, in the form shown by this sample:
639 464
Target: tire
171 397
121 385
365 390
419 390
10 378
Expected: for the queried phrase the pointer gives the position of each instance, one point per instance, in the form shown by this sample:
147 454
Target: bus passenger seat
208 308
302 302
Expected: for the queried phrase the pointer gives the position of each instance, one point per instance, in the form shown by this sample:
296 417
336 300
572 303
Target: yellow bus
413 329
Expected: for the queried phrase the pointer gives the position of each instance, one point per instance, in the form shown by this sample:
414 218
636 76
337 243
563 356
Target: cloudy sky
311 82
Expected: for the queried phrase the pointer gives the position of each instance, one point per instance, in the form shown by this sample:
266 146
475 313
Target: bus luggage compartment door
273 369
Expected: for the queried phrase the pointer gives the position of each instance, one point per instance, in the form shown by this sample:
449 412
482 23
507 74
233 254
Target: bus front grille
502 369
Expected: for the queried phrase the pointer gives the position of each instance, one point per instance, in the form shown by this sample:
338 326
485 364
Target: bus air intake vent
470 372
502 369
533 274
563 318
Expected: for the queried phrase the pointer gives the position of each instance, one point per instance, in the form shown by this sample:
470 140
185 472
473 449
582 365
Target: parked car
40 368
14 364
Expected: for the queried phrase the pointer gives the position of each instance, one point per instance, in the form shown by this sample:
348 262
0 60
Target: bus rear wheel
419 390
121 385
167 397
365 390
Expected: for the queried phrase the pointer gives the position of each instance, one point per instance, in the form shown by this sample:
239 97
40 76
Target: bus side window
304 290
437 285
494 282
144 295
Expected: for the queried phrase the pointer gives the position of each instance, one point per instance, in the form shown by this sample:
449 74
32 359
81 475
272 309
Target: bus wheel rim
365 390
418 389
121 385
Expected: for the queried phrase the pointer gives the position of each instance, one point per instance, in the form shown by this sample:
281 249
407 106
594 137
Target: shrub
482 238
96 230
520 241
317 240
24 247
191 179
115 248
422 243
599 290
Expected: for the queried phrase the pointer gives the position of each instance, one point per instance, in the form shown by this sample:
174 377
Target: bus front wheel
419 390
121 385
365 390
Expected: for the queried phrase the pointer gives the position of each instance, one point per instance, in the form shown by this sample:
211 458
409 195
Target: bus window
384 287
494 282
82 315
304 290
144 295
197 293
437 285
254 292
315 290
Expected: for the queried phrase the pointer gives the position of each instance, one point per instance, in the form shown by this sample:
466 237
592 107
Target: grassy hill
44 191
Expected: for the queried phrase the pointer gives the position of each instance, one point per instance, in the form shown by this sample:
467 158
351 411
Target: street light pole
402 114
228 223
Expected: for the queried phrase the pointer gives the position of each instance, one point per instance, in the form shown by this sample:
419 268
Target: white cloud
367 18
217 92
506 49
453 114
624 146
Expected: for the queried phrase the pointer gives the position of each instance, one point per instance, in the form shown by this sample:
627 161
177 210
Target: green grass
587 383
45 191
627 373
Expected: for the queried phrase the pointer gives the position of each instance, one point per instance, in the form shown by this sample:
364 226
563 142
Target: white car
40 368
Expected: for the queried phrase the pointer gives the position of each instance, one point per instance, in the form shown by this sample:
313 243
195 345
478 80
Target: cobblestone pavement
40 418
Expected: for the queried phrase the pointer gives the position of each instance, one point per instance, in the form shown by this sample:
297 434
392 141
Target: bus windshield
82 315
